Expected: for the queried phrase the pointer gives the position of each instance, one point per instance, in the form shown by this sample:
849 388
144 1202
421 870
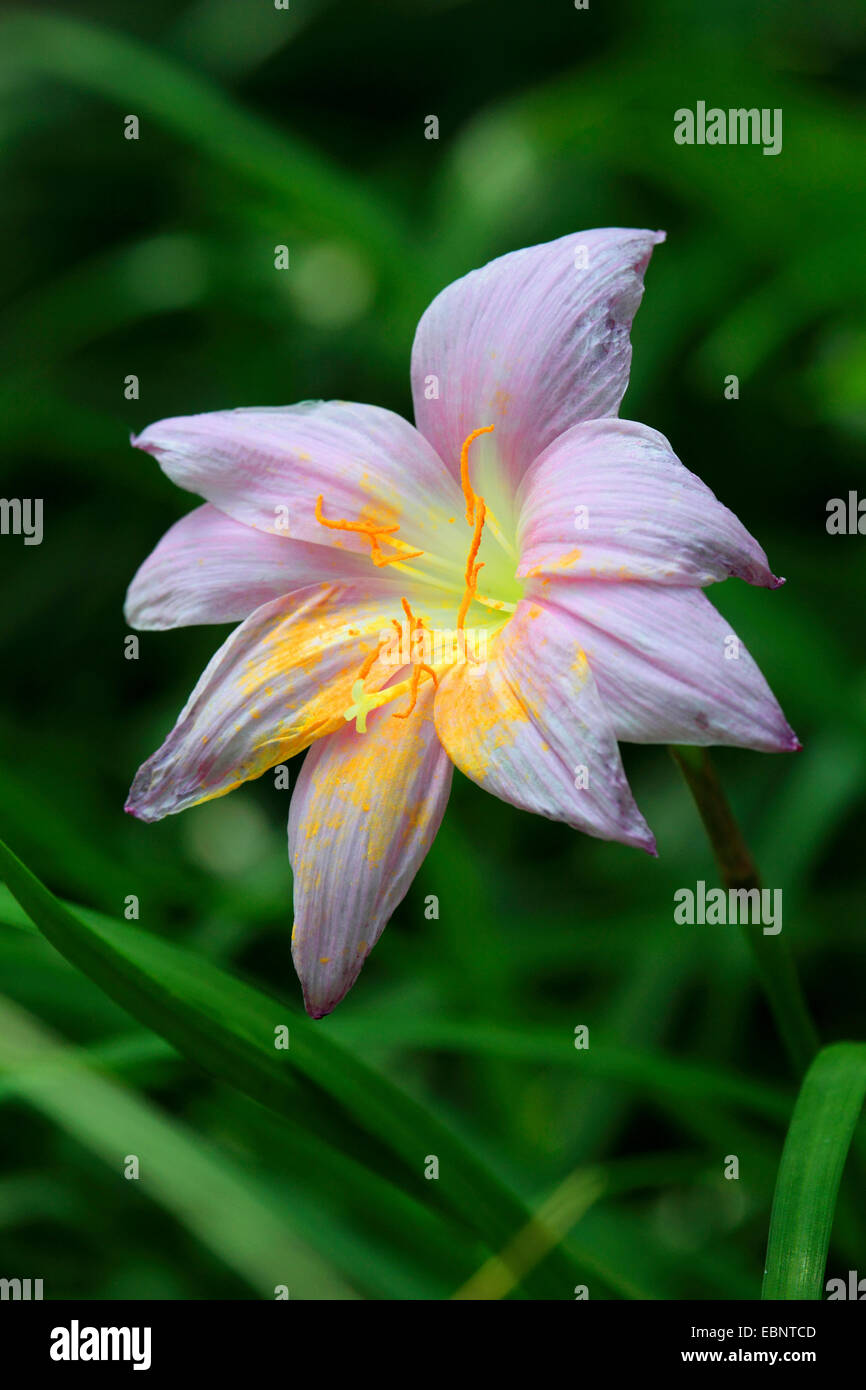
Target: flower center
416 646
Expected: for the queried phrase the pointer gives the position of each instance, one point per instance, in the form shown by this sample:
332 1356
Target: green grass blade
227 1027
225 1207
810 1171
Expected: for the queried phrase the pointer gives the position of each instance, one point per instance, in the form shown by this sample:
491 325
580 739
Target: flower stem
772 959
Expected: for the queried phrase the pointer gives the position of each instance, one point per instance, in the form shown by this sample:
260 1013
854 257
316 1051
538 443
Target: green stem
773 961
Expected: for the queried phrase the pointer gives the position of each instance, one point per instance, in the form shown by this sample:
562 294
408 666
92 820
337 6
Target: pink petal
532 344
659 659
530 727
282 679
364 813
266 467
210 569
610 500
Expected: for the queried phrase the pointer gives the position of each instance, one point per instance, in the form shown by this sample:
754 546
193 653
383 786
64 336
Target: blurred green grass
155 257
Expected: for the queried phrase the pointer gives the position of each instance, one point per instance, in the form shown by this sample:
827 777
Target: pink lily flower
510 587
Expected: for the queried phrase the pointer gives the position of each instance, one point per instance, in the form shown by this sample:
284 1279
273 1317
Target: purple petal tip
138 441
318 1011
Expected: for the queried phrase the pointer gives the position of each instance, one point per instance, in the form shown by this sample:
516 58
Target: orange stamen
364 701
369 662
371 531
379 559
415 625
364 528
413 694
472 569
471 499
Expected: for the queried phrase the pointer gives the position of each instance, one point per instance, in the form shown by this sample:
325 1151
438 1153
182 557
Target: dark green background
155 257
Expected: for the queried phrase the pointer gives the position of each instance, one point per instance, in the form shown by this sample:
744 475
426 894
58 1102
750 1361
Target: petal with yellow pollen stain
529 726
281 680
364 813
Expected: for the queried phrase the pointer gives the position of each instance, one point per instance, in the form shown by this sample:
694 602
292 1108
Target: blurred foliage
155 257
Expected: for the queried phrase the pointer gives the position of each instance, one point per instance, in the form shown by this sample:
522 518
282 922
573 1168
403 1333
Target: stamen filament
500 604
415 625
416 681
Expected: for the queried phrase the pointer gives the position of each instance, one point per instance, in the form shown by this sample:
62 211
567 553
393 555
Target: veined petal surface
532 343
669 668
609 499
267 468
210 569
364 813
281 680
530 727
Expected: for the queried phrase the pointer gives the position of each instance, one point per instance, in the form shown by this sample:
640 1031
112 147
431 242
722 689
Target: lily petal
281 680
364 813
210 569
530 727
532 343
669 668
609 499
267 467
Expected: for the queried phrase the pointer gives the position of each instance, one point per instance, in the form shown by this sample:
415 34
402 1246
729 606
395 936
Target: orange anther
471 575
364 528
371 531
369 662
464 471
